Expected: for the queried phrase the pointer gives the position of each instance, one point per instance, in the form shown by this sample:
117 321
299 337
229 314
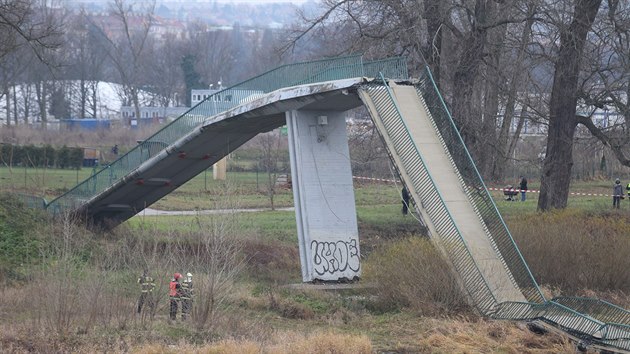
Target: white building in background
534 125
150 115
218 100
231 97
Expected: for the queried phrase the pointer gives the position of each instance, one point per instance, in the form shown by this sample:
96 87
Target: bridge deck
452 191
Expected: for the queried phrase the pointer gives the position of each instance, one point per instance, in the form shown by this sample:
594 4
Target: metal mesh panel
601 310
450 238
283 76
391 68
572 321
476 190
32 201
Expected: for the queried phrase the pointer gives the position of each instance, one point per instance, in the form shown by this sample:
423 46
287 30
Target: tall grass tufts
412 273
575 250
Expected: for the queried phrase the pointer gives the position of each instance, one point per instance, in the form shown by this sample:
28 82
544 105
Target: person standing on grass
523 188
187 295
174 293
405 201
146 290
617 193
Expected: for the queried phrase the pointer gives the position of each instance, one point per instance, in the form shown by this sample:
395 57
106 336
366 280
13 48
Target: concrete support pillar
323 195
219 169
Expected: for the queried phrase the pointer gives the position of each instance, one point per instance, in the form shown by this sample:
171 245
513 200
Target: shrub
577 250
271 260
19 244
412 273
41 156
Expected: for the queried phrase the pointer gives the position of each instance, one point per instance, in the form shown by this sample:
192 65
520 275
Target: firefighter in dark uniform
187 295
146 287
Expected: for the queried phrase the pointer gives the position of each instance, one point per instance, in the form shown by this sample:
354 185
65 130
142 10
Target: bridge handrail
478 195
283 76
424 184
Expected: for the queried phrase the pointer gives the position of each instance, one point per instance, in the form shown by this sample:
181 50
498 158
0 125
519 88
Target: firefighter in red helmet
174 294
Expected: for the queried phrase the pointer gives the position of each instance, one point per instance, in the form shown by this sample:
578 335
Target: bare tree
515 77
369 157
128 46
27 23
85 63
556 176
219 253
165 76
213 52
270 147
27 29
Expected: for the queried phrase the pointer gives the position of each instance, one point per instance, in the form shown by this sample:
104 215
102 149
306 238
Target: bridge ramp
453 202
420 138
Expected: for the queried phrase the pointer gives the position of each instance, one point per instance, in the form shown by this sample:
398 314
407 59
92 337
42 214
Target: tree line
52 59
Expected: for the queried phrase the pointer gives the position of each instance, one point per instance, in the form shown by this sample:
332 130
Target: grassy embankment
72 290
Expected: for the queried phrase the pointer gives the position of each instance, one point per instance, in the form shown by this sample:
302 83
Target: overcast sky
262 1
253 2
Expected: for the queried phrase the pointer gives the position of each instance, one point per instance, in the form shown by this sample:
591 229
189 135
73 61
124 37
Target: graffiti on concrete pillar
334 257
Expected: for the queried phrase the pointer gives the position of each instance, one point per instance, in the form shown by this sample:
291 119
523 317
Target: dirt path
155 212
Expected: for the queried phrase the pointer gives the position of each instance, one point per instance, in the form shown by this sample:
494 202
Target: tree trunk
83 98
136 102
502 151
26 97
433 16
7 96
466 110
94 91
517 133
40 96
15 106
556 173
488 133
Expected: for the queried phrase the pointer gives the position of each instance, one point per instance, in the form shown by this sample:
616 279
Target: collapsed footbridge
424 146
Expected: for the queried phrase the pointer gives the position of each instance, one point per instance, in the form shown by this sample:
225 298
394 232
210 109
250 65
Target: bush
412 273
577 250
19 244
41 156
271 261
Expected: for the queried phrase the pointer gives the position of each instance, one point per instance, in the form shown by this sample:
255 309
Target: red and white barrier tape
535 191
374 179
494 189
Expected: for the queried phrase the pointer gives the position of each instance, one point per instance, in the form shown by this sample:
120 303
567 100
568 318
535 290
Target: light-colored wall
323 195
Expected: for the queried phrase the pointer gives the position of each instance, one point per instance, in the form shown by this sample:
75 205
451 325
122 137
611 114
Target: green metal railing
32 201
592 320
476 190
391 68
283 76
